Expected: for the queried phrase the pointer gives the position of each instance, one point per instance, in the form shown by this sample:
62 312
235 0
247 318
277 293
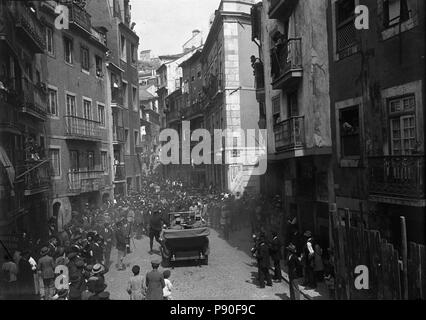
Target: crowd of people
72 264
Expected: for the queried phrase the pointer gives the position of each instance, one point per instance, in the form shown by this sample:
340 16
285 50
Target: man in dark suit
263 260
154 283
155 227
276 256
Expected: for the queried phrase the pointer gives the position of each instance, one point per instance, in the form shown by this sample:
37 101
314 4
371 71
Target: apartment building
292 82
230 95
24 165
78 111
114 16
377 110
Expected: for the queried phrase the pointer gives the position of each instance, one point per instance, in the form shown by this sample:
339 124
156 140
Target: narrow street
230 274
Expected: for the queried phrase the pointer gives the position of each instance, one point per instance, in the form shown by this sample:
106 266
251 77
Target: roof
197 54
144 94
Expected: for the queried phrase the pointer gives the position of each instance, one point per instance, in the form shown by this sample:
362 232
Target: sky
165 25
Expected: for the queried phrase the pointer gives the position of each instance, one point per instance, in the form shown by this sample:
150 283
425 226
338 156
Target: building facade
78 135
24 166
230 102
115 17
377 107
294 103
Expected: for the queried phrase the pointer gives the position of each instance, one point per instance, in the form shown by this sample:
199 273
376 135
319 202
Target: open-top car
187 240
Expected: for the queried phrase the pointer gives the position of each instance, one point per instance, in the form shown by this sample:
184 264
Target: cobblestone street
230 274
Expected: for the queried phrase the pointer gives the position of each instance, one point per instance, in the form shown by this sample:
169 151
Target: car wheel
206 260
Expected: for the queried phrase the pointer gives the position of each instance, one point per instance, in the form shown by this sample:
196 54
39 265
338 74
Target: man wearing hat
155 282
46 266
77 286
293 263
155 227
263 260
121 246
107 235
309 256
276 256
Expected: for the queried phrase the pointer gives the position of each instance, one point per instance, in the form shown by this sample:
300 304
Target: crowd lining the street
73 263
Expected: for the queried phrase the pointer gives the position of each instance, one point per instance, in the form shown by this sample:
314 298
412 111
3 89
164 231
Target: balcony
118 134
36 177
397 176
286 62
81 129
290 134
281 9
79 17
214 85
194 111
119 173
33 100
116 97
173 116
29 27
85 181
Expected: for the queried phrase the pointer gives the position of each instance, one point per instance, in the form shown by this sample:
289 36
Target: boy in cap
154 282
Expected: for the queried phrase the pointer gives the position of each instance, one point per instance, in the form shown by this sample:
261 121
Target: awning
5 161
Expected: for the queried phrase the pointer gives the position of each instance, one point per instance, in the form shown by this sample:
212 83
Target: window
123 51
293 109
276 109
90 160
125 95
52 107
87 109
74 160
403 125
136 133
85 59
134 54
55 161
101 115
68 50
127 145
99 68
135 98
350 132
395 12
235 151
104 161
346 32
71 109
49 41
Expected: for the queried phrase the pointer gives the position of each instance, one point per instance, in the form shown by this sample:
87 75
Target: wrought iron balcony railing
290 134
79 17
34 99
36 178
397 176
286 60
81 128
29 26
86 181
